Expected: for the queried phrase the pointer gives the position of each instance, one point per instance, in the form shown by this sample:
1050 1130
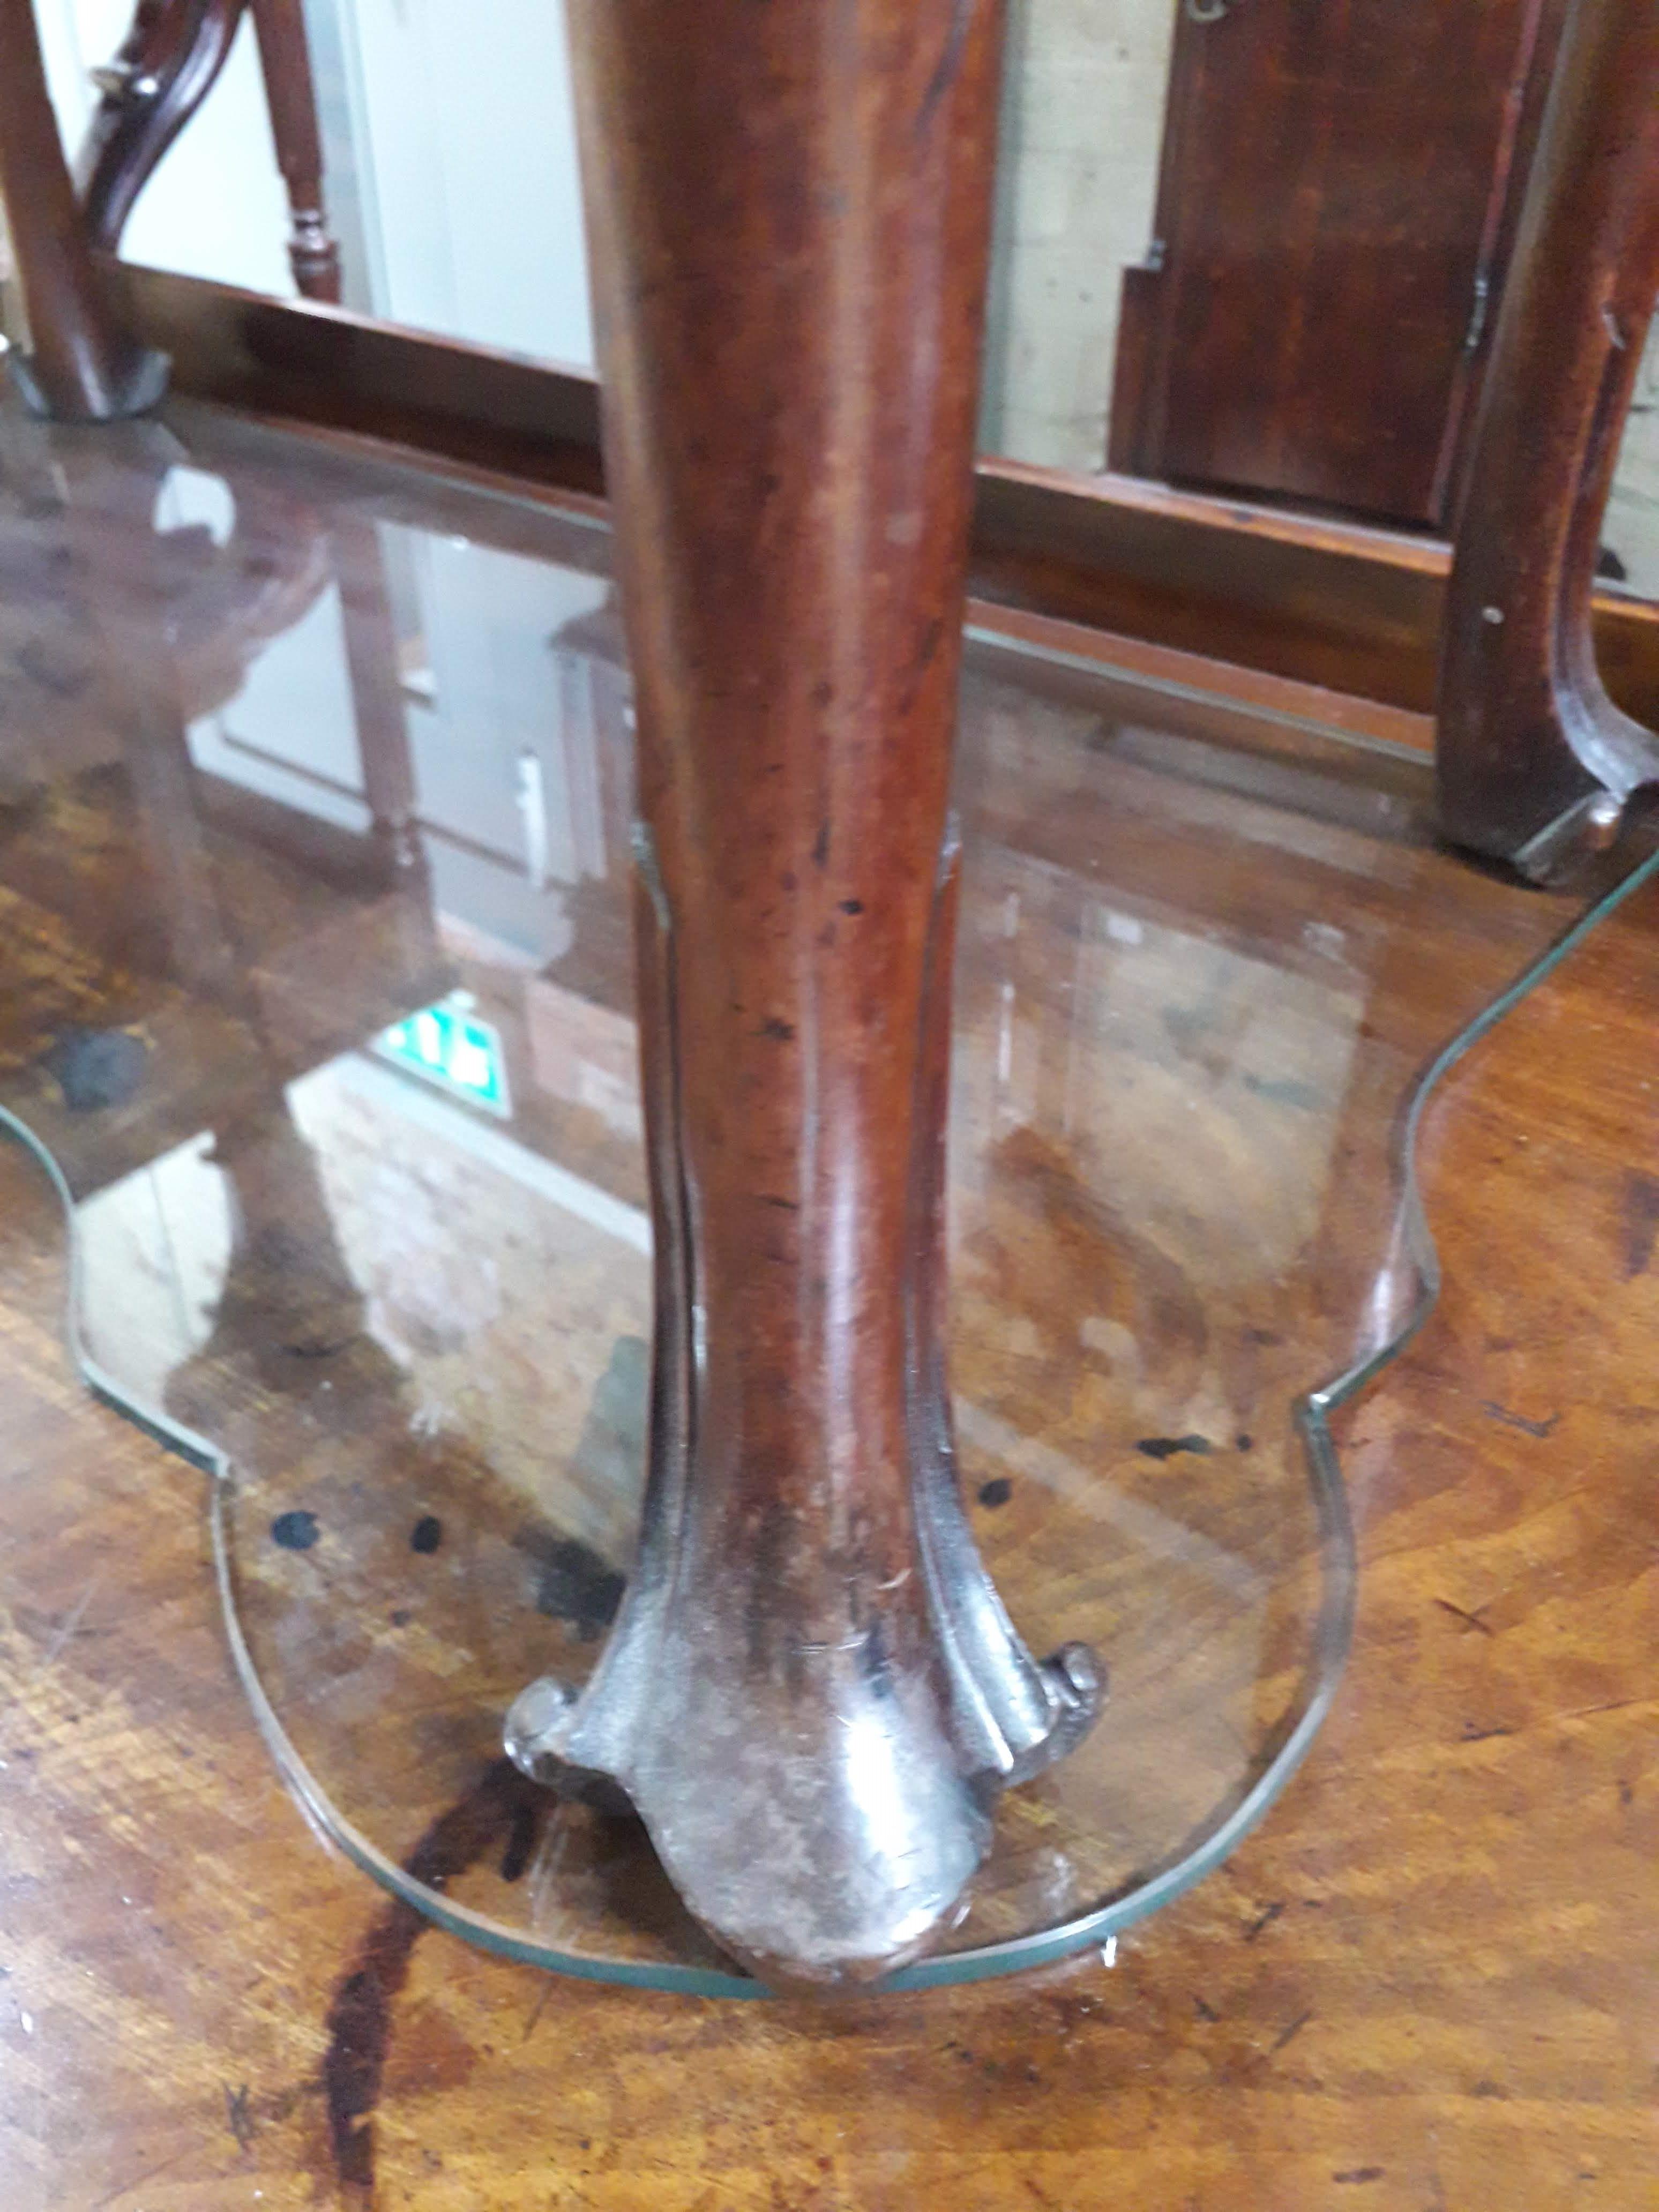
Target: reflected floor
316 987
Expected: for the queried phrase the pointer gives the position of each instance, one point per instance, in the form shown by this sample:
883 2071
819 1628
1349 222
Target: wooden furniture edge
1342 607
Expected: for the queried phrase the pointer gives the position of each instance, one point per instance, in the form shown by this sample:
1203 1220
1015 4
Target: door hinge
1478 307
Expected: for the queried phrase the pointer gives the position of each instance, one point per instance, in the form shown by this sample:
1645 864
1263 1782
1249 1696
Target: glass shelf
316 1001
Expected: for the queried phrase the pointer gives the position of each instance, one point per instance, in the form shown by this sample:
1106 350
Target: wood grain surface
1427 1984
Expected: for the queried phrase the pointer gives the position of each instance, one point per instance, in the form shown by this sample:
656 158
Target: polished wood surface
1178 909
526 424
1340 606
1428 1981
1336 208
83 362
1534 757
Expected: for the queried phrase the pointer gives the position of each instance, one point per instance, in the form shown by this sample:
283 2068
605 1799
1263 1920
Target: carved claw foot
822 1827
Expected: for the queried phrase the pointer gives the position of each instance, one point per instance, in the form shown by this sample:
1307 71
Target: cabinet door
1339 189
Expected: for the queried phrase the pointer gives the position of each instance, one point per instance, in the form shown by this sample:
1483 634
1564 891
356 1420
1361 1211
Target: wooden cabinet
1339 188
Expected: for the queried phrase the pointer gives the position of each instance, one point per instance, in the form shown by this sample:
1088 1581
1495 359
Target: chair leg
168 64
812 1687
83 363
290 91
1534 760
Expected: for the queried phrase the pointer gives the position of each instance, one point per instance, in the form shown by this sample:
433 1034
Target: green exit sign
448 1045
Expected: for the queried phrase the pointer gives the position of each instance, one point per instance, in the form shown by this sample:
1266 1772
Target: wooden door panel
1334 208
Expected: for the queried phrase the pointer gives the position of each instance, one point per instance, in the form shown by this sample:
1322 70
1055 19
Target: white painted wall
1632 528
1085 84
466 152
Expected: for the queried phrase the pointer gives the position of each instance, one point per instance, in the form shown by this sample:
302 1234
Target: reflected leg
377 692
813 1689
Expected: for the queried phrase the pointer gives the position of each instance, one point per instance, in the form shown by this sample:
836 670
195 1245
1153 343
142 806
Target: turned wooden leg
83 364
1536 761
285 59
813 1689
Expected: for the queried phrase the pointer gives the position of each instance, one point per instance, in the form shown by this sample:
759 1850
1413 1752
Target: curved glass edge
1328 1653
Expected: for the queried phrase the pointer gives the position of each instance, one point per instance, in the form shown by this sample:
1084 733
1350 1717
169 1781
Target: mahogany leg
813 1689
290 93
1535 761
168 64
83 364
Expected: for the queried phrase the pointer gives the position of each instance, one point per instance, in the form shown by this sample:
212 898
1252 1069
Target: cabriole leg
1534 760
812 1690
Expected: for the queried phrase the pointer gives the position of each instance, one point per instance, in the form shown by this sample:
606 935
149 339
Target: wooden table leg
1536 761
813 1685
83 364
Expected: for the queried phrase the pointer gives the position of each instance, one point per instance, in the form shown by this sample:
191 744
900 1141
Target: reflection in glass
294 751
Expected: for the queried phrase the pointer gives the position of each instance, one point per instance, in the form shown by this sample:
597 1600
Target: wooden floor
1430 1983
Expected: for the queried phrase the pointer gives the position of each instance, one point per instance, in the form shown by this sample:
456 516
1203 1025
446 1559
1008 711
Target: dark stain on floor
1528 1428
359 2019
1167 1446
573 1583
1638 1213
